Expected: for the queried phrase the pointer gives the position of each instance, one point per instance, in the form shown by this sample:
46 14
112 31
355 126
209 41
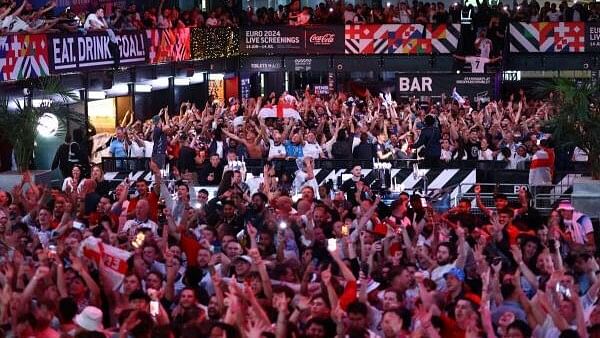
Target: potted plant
576 121
20 126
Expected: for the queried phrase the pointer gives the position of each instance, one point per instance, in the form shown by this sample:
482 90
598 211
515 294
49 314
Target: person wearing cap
447 258
577 225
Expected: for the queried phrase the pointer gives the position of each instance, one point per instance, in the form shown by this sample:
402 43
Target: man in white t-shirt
276 147
140 147
311 147
141 220
95 21
477 63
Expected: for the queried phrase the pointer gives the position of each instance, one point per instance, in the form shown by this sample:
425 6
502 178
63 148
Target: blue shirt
117 148
293 150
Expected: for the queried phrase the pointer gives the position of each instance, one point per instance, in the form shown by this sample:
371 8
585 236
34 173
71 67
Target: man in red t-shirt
152 196
463 314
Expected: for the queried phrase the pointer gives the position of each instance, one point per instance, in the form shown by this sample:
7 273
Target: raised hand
326 275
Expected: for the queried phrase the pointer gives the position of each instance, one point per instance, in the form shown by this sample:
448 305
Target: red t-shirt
450 328
190 247
152 201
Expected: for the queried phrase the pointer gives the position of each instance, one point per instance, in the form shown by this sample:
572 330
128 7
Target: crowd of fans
24 18
337 127
339 263
395 12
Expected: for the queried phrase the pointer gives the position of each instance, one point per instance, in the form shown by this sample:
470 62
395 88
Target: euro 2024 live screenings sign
592 37
69 53
293 40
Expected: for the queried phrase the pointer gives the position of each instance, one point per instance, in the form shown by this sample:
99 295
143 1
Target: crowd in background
340 126
394 12
22 17
158 258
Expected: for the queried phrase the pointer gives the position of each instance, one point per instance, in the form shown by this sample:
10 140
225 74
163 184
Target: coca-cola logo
322 39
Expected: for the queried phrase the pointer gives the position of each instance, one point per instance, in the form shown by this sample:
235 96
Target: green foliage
576 121
20 126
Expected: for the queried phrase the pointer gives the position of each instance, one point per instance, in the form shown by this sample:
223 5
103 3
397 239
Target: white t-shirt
553 16
446 155
95 21
477 63
312 150
276 151
137 151
486 155
14 24
131 226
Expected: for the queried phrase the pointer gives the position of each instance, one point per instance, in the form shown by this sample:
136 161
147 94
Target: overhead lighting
182 81
120 89
96 95
160 83
216 77
197 78
47 125
143 88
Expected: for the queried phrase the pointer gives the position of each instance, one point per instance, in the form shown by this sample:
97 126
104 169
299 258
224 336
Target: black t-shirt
210 175
472 150
349 187
186 162
363 151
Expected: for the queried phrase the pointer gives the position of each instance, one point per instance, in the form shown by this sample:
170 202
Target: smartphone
154 308
282 225
345 230
423 202
560 288
216 249
240 235
331 244
138 240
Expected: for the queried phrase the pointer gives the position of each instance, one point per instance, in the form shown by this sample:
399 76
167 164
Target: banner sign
592 37
473 86
401 39
70 53
547 37
168 45
321 90
23 56
292 40
305 64
264 64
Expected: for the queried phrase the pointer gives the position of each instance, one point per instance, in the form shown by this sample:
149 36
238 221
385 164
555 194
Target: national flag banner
23 56
168 45
115 259
547 37
401 39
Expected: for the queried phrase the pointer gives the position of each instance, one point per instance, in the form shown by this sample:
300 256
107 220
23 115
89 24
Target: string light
213 43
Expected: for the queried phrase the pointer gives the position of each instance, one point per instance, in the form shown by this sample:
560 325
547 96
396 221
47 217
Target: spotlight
47 125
